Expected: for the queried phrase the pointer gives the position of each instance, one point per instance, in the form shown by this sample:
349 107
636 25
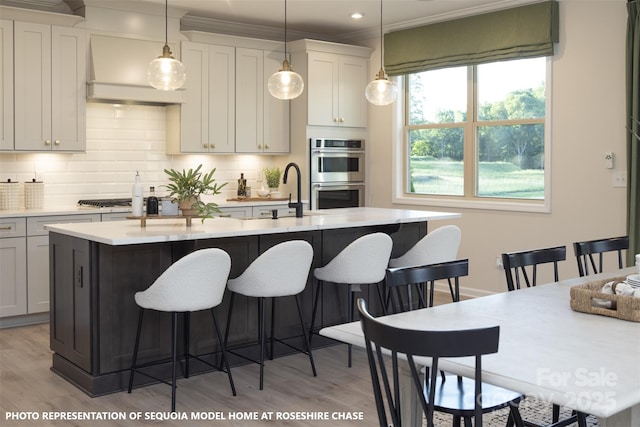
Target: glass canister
10 195
33 194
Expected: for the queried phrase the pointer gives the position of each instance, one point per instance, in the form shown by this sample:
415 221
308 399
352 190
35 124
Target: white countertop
165 230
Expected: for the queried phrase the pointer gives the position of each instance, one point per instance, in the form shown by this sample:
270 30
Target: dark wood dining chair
400 278
586 250
464 398
516 264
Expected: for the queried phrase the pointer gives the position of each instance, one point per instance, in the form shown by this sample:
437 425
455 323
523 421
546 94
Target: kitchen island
96 268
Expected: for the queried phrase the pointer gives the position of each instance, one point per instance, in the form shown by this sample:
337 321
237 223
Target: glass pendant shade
165 72
381 91
285 84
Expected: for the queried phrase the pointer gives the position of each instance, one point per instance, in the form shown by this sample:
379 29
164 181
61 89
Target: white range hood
118 71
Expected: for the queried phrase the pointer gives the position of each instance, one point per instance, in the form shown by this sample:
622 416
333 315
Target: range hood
118 72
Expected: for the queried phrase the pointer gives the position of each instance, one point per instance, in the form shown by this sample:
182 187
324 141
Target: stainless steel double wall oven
337 173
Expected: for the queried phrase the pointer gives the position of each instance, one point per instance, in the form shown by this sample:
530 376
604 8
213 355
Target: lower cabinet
13 288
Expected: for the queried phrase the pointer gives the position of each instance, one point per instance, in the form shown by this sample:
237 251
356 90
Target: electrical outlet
259 177
620 179
499 262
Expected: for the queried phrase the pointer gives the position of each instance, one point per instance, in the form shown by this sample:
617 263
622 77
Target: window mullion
470 156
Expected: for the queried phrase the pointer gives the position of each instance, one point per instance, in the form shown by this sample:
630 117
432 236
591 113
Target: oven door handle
338 152
341 186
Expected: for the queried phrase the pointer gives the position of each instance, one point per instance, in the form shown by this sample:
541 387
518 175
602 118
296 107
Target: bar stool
195 282
280 271
362 262
440 245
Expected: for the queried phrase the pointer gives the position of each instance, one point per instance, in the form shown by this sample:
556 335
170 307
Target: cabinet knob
56 142
335 119
266 146
212 145
205 145
260 146
341 120
47 142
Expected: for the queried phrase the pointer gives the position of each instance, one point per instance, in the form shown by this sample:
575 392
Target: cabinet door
276 111
13 287
351 87
237 212
32 44
68 89
6 85
322 89
38 274
222 99
194 125
249 100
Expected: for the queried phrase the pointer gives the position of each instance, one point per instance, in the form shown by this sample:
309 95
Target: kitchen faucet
298 204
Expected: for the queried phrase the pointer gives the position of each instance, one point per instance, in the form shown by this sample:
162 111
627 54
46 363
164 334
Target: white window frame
400 159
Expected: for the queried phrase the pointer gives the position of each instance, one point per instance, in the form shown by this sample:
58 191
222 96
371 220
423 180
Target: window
477 133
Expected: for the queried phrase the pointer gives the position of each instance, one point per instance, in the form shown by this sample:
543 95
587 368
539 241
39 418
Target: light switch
608 159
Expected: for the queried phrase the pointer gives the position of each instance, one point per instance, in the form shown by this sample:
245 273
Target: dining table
547 351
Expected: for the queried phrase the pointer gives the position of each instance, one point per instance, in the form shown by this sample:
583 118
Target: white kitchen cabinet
336 76
13 265
50 88
206 122
235 212
6 85
266 211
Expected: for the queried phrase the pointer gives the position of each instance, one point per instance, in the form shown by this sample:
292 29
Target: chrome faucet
298 204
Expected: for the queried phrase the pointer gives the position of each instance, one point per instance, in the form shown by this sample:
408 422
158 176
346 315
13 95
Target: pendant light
165 72
286 83
381 91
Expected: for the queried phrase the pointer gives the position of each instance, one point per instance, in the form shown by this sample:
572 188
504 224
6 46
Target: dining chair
195 282
463 398
516 263
396 278
440 245
586 250
362 262
281 271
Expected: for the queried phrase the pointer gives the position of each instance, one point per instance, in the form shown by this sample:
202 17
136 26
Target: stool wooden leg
306 337
223 350
174 357
135 349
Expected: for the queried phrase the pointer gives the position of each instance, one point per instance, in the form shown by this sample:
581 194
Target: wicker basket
623 307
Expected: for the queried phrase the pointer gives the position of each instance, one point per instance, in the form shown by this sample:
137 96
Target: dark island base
93 315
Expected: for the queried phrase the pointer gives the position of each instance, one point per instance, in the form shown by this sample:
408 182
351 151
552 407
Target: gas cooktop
104 203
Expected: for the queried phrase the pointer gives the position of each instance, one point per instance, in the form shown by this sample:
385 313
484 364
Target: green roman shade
521 32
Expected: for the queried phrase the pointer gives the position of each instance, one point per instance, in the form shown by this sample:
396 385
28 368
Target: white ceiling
314 17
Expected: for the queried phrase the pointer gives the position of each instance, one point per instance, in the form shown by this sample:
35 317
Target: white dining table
583 361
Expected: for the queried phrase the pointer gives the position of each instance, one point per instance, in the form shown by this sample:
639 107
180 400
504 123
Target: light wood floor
28 385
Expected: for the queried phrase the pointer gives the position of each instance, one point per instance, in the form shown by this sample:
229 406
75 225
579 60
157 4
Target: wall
588 119
120 141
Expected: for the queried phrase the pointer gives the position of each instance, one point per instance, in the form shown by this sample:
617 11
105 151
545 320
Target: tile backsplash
123 139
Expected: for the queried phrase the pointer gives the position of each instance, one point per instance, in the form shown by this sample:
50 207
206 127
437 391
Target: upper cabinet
228 108
336 76
49 88
205 123
6 85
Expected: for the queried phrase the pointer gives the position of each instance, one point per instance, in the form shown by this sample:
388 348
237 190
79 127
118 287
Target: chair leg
350 320
226 330
555 413
223 351
306 337
186 327
135 350
273 322
261 338
431 286
315 307
174 357
582 419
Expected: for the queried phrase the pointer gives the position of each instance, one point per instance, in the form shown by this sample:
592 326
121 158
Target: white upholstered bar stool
440 245
362 262
195 282
280 271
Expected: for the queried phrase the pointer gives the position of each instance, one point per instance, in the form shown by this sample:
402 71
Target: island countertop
175 229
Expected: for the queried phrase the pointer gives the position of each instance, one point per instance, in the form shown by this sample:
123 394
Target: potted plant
186 187
272 176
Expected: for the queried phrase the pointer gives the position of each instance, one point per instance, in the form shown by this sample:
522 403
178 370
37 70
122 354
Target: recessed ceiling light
357 15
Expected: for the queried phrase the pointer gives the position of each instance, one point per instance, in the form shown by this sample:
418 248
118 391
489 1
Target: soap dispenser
136 197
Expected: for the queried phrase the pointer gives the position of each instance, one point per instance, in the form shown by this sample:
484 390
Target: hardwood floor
28 385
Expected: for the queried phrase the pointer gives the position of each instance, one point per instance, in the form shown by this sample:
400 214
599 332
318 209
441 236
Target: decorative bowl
263 193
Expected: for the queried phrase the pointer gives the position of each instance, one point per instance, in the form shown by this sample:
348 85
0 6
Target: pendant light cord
166 22
285 29
381 37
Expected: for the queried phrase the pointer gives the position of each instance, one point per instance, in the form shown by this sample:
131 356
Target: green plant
189 185
272 176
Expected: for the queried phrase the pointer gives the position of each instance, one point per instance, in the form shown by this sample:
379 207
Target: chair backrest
363 261
585 251
402 276
438 246
411 342
514 263
281 270
195 282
